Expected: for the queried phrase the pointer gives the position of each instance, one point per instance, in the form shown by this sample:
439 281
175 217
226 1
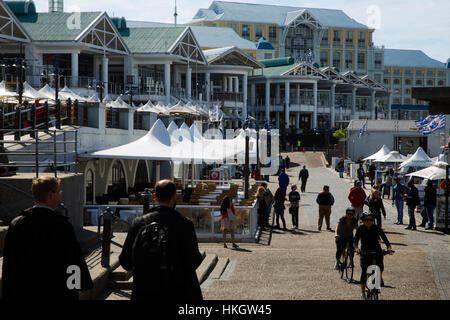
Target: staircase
121 281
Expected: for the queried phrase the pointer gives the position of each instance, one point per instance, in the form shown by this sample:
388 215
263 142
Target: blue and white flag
431 124
363 129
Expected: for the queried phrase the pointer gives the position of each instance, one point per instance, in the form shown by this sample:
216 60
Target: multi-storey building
333 38
405 69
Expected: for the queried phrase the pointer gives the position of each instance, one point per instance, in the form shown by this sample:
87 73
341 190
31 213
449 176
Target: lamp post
246 169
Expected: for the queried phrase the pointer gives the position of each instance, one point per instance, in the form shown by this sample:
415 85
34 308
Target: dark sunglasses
367 220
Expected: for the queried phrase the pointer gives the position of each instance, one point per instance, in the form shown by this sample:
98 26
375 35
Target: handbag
231 215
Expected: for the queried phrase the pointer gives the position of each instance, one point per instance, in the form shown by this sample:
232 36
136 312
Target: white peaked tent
48 92
4 92
393 156
107 99
66 93
431 173
381 153
439 158
31 93
419 159
94 98
172 128
118 104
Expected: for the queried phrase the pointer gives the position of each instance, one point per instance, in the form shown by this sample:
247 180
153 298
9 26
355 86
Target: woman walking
279 208
294 199
262 207
376 207
228 221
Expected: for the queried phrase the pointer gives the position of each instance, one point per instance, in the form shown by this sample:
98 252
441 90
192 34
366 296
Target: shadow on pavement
309 231
391 232
241 250
399 244
296 232
432 232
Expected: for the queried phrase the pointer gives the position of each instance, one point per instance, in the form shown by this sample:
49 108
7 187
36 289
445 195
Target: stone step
121 274
208 264
219 268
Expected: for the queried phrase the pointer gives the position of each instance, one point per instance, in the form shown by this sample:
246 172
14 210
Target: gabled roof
179 41
10 28
304 15
353 78
231 56
409 58
218 37
279 15
374 84
334 75
290 69
306 69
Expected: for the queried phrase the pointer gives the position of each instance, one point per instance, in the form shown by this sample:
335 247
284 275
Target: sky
400 24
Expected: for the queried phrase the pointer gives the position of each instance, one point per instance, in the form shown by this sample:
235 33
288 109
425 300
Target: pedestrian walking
228 221
269 201
372 172
376 206
283 181
279 208
412 201
341 167
288 162
262 207
303 177
294 199
325 200
386 186
299 145
161 249
42 257
398 199
429 203
357 196
361 175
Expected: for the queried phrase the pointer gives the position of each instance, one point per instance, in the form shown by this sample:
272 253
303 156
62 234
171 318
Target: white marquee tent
381 153
392 157
419 159
431 173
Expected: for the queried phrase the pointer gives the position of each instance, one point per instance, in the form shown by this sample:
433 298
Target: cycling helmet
366 214
350 209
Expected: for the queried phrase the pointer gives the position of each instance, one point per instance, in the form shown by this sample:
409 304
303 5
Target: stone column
245 97
75 83
286 102
252 94
333 105
297 120
208 86
236 84
298 93
315 105
277 94
105 75
230 84
372 104
225 84
167 81
188 83
267 100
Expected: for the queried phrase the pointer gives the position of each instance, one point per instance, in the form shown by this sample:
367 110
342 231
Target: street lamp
56 74
246 169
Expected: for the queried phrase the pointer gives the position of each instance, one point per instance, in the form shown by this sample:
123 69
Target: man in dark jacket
325 200
429 204
42 259
182 284
303 176
283 181
372 171
412 201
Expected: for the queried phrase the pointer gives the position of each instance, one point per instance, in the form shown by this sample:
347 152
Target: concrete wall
13 202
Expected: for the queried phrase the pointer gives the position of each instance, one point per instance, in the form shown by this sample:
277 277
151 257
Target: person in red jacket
357 196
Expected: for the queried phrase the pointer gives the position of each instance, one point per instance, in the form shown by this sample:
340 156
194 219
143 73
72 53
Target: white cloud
409 24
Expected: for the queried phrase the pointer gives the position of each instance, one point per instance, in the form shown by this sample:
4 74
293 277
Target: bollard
106 239
146 195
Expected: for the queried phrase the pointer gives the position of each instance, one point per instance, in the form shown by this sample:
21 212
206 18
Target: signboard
215 175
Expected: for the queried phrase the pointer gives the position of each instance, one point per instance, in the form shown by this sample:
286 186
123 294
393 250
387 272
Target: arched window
89 186
141 180
117 185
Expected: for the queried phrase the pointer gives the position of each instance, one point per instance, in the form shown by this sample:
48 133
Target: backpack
151 249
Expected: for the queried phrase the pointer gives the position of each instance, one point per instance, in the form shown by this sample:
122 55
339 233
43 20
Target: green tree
340 134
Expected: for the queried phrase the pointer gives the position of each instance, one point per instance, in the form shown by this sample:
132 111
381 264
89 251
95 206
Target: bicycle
374 293
346 266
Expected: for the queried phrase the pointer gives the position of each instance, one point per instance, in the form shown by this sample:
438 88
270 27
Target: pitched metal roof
55 26
151 40
231 56
217 37
409 58
279 15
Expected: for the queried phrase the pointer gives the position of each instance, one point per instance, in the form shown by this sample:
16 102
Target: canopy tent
430 173
31 93
118 104
419 159
48 92
441 157
393 156
148 107
107 99
4 92
381 153
179 109
94 98
65 94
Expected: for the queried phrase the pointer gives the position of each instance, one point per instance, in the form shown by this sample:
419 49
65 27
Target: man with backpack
162 250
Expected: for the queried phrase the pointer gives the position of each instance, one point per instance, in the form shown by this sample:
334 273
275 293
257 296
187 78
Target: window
267 55
386 81
246 31
361 60
418 82
336 38
396 72
233 26
441 74
349 38
349 60
396 81
430 83
259 32
407 91
386 71
440 83
419 73
430 73
378 60
378 77
324 58
362 39
336 59
408 82
272 34
396 100
325 39
407 101
407 72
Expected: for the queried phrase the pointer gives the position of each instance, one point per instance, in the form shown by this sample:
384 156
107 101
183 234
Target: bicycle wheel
343 266
349 270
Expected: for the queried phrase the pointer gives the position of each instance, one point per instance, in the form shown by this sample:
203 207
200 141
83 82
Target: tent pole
182 175
158 171
172 175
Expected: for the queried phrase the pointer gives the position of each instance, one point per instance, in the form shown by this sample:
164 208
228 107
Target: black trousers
294 212
280 214
303 187
341 243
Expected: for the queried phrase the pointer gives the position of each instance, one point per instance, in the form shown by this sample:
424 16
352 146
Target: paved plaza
299 264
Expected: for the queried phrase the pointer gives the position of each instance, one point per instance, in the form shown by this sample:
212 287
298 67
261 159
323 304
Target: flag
363 129
437 123
421 124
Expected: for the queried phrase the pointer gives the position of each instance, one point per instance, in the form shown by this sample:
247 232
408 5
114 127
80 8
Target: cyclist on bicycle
344 234
369 234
